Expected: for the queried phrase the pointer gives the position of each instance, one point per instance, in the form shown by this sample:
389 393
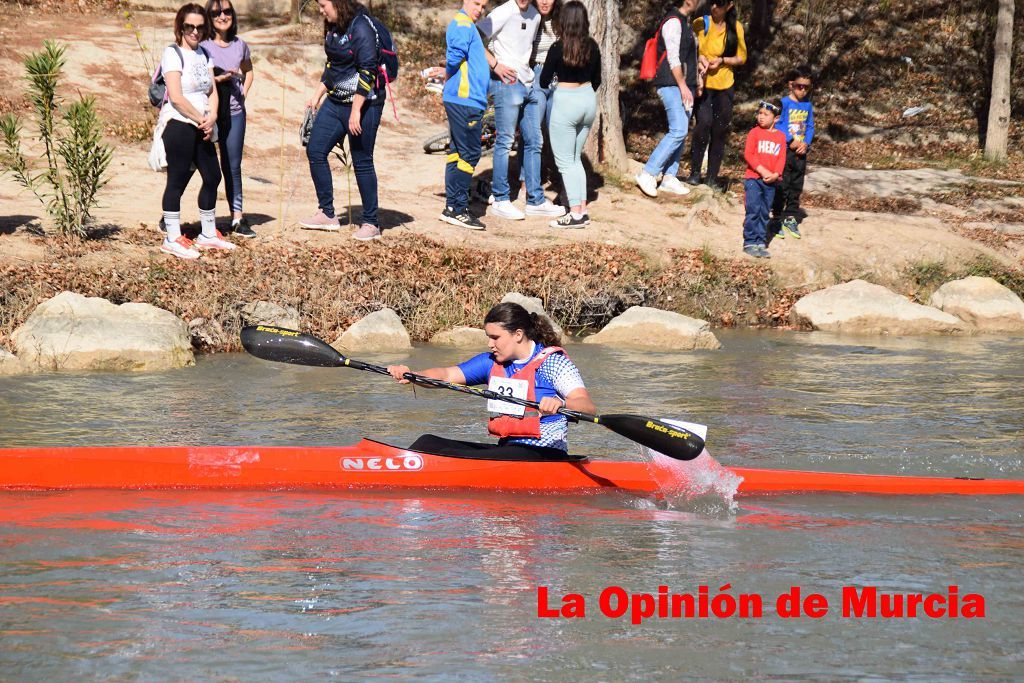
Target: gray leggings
572 114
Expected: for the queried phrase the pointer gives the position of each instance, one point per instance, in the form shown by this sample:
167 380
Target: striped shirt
543 41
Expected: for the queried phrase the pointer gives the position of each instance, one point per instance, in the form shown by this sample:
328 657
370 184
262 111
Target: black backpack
386 48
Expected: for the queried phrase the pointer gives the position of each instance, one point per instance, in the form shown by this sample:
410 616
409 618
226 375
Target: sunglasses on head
224 11
191 28
769 106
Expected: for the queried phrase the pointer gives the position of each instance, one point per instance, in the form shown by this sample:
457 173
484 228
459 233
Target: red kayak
371 464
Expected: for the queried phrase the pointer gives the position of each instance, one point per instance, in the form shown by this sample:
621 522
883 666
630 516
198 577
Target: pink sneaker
320 221
367 232
181 247
215 242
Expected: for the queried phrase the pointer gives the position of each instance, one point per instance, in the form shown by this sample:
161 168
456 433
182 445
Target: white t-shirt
511 32
196 80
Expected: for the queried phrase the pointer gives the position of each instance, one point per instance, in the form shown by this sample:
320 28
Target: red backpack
650 62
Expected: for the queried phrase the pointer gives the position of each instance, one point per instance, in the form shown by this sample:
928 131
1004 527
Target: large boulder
642 327
860 307
533 305
379 331
266 313
982 302
10 364
461 338
73 332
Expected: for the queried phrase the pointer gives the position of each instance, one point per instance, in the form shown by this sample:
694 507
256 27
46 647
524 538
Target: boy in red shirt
765 154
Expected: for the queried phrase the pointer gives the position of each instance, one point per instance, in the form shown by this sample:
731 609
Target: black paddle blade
657 435
289 346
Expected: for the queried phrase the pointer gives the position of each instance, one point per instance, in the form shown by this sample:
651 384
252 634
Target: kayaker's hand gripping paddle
298 348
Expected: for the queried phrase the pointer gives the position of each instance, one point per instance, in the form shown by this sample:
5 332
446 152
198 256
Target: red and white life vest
503 425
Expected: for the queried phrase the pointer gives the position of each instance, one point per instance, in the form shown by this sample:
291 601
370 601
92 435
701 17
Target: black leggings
714 114
185 148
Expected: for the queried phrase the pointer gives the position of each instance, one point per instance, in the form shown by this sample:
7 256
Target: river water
128 585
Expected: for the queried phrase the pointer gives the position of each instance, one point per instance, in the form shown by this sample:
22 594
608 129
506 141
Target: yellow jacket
711 45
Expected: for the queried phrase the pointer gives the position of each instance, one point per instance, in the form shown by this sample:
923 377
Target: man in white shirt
509 31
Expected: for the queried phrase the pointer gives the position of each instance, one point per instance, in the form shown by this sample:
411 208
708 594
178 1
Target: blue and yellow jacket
469 75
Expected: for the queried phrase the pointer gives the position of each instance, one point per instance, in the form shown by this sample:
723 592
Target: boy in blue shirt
468 77
797 122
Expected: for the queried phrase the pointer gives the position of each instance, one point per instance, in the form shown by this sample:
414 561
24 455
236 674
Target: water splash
701 484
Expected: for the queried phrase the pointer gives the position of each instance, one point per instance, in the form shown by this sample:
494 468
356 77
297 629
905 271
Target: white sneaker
215 242
181 247
545 209
490 199
647 184
508 210
673 185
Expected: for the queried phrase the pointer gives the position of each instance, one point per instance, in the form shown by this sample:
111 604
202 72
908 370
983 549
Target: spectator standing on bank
467 74
547 34
576 61
676 81
722 49
191 114
765 154
510 29
233 76
353 106
797 122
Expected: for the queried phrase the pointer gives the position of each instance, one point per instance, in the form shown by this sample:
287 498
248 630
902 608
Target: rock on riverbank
861 307
74 332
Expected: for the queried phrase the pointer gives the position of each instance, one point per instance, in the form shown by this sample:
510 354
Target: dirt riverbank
678 253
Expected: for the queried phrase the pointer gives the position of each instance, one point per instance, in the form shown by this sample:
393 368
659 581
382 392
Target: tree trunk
296 7
606 144
999 103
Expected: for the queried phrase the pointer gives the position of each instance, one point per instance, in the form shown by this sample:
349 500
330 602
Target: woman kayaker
525 361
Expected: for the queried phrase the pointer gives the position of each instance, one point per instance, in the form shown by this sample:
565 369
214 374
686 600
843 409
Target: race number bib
507 386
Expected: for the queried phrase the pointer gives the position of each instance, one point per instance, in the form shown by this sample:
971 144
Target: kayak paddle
298 348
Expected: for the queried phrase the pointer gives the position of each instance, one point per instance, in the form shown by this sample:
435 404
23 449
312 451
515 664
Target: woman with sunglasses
232 68
191 115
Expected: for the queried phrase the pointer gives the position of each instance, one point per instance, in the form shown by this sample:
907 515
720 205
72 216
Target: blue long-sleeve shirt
796 120
469 74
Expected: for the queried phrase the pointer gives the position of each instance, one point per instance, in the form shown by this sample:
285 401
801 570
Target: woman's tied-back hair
732 38
346 10
512 317
215 6
575 35
179 22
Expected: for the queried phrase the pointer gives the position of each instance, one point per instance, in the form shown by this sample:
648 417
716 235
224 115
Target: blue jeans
516 105
329 127
230 140
464 153
543 96
759 196
665 157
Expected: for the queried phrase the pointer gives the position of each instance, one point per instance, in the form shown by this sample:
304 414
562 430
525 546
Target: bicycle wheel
436 144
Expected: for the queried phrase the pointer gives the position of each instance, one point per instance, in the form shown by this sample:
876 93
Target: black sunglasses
189 28
228 12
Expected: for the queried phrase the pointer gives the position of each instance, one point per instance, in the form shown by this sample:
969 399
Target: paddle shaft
484 393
